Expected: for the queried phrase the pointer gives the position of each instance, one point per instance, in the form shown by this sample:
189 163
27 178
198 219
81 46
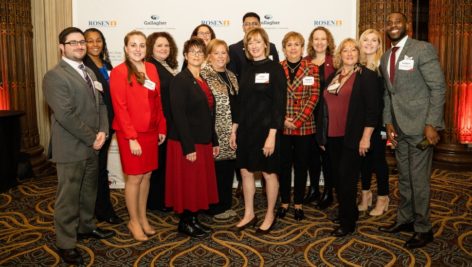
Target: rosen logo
267 16
102 23
328 22
217 23
155 20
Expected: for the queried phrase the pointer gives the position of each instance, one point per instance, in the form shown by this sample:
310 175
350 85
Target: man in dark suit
79 127
238 59
413 114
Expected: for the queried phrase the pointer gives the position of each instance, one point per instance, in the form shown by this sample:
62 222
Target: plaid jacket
302 99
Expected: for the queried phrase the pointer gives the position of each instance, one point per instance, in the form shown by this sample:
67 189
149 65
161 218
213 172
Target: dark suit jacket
238 60
364 108
77 115
192 120
417 96
105 85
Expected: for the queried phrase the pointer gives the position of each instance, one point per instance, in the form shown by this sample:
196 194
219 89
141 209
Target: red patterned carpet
27 235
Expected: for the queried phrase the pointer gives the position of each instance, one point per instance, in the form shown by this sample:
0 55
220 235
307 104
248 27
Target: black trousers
156 198
224 177
346 166
375 161
319 160
295 151
103 207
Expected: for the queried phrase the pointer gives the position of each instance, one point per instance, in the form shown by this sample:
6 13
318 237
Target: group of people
183 135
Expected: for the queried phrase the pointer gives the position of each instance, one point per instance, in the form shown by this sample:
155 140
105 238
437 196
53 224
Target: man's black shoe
187 228
71 256
395 228
114 219
419 240
97 234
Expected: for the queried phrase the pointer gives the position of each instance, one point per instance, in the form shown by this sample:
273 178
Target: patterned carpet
27 235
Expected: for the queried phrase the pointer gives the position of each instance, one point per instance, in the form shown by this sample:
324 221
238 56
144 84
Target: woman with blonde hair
370 43
351 102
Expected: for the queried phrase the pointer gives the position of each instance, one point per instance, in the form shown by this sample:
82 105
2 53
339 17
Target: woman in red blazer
140 126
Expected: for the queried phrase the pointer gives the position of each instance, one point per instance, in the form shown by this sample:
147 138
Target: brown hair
331 46
213 44
337 61
132 70
250 34
293 35
171 60
195 31
195 42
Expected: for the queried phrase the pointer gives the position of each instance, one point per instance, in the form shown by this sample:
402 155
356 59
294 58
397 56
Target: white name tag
406 64
98 86
308 80
262 78
150 85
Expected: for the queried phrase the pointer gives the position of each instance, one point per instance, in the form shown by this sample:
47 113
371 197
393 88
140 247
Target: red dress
138 115
190 185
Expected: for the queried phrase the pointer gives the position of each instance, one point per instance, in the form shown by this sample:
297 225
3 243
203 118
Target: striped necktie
87 78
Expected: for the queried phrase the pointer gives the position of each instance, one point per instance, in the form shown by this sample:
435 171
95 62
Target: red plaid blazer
302 99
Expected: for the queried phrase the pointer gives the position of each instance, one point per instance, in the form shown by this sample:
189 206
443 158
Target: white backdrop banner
115 18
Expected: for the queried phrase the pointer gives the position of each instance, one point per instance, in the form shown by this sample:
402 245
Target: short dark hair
195 42
401 13
63 35
251 15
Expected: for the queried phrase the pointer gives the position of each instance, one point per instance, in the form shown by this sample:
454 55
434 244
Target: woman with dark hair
98 61
204 32
320 51
352 105
140 127
161 51
258 125
190 170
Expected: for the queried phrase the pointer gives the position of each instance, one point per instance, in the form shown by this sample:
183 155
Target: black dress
261 107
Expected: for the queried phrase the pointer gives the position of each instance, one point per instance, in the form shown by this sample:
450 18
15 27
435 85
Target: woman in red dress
140 126
192 144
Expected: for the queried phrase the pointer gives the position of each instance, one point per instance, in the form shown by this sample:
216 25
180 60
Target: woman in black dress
161 51
257 126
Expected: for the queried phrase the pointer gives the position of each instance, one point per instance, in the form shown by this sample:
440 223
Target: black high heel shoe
252 223
298 214
281 212
266 231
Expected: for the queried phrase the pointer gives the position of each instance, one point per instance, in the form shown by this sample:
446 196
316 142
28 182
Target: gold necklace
292 70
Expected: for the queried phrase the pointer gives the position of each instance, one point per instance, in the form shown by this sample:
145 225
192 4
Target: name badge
97 85
150 85
406 64
308 80
262 77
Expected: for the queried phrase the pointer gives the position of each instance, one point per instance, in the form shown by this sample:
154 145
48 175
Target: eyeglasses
196 52
75 43
255 24
204 33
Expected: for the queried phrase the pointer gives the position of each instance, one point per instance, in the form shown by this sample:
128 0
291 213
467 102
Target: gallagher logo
328 22
217 23
268 20
102 23
155 20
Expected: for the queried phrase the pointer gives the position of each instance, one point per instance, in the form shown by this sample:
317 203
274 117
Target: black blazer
364 109
105 85
165 78
192 120
238 60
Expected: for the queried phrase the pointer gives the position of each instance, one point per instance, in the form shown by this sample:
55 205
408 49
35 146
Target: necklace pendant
292 71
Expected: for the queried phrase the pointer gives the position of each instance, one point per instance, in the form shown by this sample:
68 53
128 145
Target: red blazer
137 109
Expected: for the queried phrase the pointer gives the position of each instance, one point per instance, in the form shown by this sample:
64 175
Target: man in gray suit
79 127
413 114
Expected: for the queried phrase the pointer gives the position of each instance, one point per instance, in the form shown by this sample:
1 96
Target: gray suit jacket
416 97
77 116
